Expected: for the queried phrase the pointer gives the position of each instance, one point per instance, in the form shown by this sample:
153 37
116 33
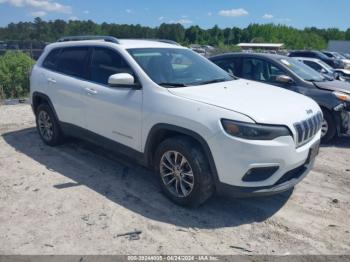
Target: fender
42 97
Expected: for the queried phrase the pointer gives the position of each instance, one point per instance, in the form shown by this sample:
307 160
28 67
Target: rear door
66 77
112 112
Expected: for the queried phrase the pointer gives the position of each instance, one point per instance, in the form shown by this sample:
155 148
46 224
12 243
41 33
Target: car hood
344 71
263 103
346 61
334 86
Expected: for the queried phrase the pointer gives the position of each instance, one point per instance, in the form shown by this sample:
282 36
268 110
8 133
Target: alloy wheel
176 174
324 128
45 125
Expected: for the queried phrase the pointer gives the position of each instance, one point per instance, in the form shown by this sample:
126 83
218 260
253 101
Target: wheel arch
39 98
335 118
160 132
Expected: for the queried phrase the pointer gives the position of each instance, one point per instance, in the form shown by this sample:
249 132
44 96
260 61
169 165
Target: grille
307 129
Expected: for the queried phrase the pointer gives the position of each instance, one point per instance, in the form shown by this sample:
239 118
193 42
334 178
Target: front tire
183 172
48 126
328 130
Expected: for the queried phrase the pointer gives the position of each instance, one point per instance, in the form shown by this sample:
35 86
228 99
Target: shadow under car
135 187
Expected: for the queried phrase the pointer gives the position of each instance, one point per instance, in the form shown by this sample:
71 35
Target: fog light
257 174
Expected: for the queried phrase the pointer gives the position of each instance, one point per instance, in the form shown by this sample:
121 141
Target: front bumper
234 157
292 178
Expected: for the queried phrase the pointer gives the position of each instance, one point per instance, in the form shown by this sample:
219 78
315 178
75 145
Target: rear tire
328 127
48 126
183 172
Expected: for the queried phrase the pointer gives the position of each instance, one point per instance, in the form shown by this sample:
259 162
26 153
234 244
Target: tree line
34 34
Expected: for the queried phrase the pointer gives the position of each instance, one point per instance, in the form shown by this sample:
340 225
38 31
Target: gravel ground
77 198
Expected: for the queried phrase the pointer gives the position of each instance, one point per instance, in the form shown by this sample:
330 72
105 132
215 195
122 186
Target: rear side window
106 62
72 61
51 59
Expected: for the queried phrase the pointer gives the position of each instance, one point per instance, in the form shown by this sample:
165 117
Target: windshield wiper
173 84
218 80
315 80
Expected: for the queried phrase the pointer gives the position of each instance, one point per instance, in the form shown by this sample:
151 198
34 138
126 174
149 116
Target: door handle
91 91
51 80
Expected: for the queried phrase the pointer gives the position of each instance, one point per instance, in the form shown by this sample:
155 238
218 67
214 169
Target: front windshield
302 70
175 67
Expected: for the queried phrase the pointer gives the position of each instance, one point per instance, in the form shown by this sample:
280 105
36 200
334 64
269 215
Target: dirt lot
76 199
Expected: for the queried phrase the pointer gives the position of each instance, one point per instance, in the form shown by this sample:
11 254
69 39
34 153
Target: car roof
304 51
122 43
307 59
256 55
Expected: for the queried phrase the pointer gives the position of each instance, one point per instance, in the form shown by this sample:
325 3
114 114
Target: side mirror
283 79
323 71
122 80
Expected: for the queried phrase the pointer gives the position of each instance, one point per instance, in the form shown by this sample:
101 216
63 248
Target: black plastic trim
82 133
257 174
168 127
44 97
225 189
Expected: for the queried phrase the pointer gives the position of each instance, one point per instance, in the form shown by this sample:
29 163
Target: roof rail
171 42
89 37
166 41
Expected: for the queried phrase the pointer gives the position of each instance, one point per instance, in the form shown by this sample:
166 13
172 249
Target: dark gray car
286 72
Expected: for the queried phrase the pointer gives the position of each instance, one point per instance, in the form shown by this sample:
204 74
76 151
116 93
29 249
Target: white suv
201 129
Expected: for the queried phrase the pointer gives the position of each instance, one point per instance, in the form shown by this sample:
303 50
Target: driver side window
260 70
106 62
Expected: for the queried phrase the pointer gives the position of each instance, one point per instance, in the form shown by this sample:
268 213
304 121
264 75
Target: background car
336 55
325 69
335 63
332 96
347 55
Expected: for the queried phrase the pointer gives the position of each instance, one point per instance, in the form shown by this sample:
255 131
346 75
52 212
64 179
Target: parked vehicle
335 63
332 96
336 55
324 69
201 129
347 55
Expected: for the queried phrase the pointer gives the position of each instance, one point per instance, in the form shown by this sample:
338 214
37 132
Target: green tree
175 32
15 67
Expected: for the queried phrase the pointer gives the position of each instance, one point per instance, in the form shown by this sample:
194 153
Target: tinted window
313 65
50 61
328 54
106 62
230 65
72 61
295 54
260 70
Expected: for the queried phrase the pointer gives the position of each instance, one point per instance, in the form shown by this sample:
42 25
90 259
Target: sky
205 13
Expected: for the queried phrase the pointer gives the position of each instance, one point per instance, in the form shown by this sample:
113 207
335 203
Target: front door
112 112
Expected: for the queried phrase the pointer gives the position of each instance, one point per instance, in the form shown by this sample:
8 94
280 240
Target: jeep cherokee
200 128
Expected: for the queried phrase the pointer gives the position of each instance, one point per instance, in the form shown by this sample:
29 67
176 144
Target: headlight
254 131
342 96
